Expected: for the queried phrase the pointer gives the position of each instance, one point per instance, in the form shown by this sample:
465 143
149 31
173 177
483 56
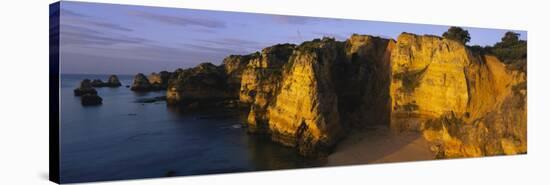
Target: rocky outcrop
308 96
113 81
304 113
205 84
159 81
363 86
261 81
428 79
85 88
98 83
90 100
234 66
141 83
88 95
465 103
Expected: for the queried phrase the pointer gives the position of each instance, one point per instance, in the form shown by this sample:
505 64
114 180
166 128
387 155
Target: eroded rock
113 81
159 81
141 83
85 88
466 104
205 85
90 99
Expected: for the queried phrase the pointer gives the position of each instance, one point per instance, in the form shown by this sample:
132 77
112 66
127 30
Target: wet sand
380 145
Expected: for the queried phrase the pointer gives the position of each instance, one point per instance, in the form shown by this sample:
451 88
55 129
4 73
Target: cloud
84 36
296 20
180 21
74 18
203 48
108 26
65 12
234 43
137 58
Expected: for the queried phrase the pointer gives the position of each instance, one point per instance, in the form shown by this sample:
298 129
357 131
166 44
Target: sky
124 39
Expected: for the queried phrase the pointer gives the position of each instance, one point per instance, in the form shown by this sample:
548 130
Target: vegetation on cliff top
458 34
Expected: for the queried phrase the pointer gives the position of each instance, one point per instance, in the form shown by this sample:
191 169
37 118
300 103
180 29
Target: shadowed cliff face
363 83
309 96
198 86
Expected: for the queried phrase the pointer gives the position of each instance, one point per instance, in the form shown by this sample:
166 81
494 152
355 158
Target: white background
24 91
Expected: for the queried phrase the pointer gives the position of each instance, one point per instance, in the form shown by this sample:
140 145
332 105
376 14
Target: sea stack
85 88
90 99
113 81
98 83
141 83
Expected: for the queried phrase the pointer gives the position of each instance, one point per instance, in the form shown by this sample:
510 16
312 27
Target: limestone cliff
204 83
234 66
307 96
428 79
260 81
304 113
363 86
310 95
465 103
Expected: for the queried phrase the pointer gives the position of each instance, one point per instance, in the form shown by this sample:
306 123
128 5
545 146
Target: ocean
124 139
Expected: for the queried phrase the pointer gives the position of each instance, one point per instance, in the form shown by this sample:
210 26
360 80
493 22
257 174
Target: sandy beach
380 145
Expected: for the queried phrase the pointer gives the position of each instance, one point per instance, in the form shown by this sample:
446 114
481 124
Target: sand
380 145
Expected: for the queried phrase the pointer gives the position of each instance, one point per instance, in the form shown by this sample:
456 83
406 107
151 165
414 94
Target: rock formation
260 81
310 95
113 81
90 99
85 88
88 95
204 85
98 83
159 81
466 104
234 66
141 83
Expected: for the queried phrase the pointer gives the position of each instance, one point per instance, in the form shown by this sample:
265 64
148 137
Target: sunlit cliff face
310 95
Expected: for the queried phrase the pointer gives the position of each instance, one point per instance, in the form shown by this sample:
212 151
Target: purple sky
122 39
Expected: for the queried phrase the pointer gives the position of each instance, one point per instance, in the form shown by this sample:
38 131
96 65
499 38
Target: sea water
125 139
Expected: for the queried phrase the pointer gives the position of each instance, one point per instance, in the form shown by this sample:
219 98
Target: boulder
141 83
90 99
85 88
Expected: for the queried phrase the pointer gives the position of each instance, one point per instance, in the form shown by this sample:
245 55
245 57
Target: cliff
198 86
309 96
467 104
